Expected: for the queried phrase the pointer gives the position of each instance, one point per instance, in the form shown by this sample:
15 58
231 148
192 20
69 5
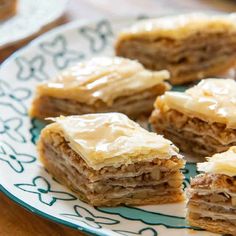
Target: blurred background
115 8
94 9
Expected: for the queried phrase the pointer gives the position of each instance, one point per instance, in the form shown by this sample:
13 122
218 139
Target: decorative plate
31 17
23 178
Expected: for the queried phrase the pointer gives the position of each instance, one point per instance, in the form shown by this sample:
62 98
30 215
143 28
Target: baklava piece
103 84
8 8
108 160
201 120
212 195
191 46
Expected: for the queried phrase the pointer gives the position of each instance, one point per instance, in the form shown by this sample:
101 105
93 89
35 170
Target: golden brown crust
56 140
179 26
216 226
134 106
102 79
134 200
211 203
200 55
191 134
138 184
219 69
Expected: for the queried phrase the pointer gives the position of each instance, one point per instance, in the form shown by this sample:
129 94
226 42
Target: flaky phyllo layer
190 46
110 160
180 26
212 195
112 139
201 119
101 84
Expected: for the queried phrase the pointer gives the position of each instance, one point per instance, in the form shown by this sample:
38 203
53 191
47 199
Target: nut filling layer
139 183
193 135
212 203
191 46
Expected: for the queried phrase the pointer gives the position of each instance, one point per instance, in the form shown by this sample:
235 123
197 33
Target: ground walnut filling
212 203
192 134
133 105
210 182
191 50
196 216
220 207
199 53
56 141
139 181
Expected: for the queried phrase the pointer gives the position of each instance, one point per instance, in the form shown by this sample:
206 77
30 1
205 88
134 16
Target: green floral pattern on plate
14 97
87 217
98 36
11 127
31 69
145 232
62 56
13 159
42 188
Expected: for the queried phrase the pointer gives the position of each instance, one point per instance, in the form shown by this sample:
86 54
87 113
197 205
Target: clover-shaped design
98 37
15 160
62 56
11 127
32 68
42 188
88 218
145 232
14 97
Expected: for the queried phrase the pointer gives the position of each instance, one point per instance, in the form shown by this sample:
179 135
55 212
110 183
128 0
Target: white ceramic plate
23 178
31 17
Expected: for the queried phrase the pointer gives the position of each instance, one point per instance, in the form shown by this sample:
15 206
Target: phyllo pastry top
102 78
212 100
180 26
221 163
111 139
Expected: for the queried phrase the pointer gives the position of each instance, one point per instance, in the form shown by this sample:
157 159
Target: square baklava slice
103 84
191 46
202 119
108 160
212 194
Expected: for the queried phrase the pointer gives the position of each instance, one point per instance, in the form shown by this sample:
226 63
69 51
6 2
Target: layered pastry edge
102 84
212 194
191 46
199 120
139 176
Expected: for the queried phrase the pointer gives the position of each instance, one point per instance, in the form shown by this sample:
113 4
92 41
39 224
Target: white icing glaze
112 139
212 100
220 163
103 78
